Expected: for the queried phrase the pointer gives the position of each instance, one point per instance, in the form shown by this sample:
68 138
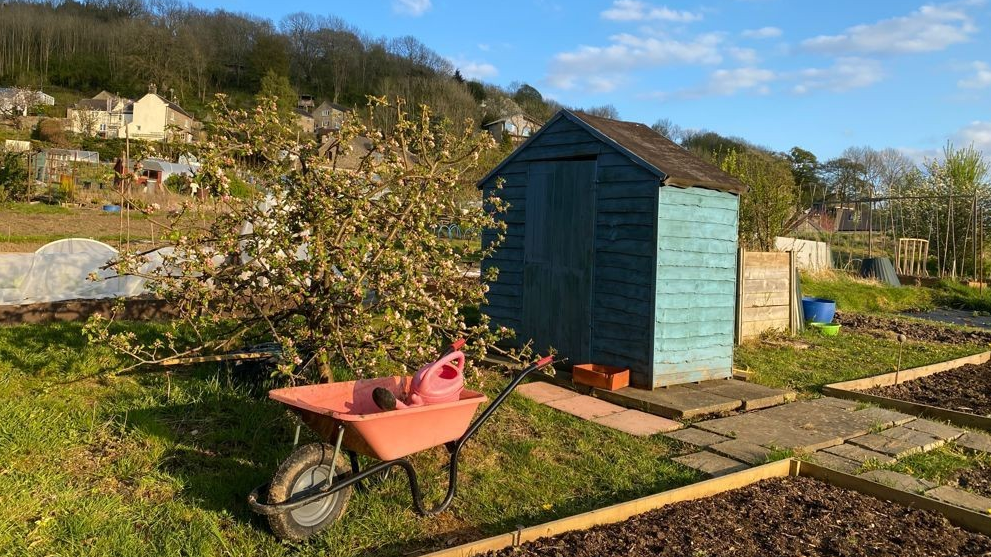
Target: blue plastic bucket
111 208
819 310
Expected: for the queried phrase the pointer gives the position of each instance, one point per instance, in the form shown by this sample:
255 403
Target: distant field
25 228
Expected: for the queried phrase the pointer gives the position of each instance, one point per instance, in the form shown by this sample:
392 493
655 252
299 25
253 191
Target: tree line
192 54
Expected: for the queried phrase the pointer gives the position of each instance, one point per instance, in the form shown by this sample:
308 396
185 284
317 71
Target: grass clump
818 360
865 296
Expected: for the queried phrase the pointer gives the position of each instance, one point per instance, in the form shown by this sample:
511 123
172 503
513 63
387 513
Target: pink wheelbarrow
310 490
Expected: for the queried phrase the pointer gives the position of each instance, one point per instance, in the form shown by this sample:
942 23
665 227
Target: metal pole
870 229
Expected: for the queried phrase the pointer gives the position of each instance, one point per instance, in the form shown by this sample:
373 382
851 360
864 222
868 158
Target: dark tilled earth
977 479
888 327
965 389
783 516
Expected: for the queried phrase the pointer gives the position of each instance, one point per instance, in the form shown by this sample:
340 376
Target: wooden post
792 296
741 261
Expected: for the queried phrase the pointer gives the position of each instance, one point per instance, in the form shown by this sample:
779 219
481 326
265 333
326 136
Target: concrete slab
676 402
838 403
830 420
858 454
936 429
697 437
886 445
961 498
925 441
897 480
741 450
757 428
751 395
638 423
979 442
542 392
883 417
710 463
834 462
585 407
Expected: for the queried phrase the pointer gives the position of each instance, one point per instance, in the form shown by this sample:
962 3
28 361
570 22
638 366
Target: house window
326 113
103 127
510 127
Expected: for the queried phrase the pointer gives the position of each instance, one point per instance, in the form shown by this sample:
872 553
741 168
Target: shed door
557 260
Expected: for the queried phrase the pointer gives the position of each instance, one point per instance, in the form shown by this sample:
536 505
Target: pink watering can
434 383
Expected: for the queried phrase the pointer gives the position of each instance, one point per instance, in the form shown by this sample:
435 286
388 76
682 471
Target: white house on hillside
151 117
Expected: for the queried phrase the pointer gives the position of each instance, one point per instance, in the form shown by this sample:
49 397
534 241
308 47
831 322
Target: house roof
649 149
335 106
172 105
102 104
301 112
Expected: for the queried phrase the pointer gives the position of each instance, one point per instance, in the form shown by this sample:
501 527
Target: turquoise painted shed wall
652 306
695 302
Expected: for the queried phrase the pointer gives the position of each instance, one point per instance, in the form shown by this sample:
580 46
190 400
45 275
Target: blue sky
822 75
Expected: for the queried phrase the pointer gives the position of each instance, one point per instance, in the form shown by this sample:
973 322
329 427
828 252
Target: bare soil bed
977 479
782 516
964 389
888 327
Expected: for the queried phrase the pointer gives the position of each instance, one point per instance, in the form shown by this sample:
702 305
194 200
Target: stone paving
835 433
601 412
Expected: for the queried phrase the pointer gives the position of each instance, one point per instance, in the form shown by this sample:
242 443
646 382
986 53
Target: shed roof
644 146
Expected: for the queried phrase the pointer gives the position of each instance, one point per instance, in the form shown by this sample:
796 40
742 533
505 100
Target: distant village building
104 115
151 117
306 103
328 117
304 120
518 126
15 101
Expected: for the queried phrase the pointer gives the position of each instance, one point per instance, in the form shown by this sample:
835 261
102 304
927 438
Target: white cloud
930 28
746 56
977 133
589 66
762 33
414 8
723 83
472 69
484 47
635 10
845 74
980 79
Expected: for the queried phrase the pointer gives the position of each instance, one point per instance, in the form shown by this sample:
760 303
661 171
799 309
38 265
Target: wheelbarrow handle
455 346
500 398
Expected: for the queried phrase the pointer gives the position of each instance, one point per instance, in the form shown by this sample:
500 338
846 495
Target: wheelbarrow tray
368 430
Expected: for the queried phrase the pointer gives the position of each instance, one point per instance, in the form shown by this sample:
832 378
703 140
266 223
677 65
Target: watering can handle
456 356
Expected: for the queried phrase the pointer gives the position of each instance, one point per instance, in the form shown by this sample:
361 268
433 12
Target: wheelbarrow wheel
307 468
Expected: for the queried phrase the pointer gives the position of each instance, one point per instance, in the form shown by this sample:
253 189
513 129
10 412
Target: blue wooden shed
620 249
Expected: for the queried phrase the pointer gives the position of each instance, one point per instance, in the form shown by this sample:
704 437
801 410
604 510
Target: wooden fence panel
766 297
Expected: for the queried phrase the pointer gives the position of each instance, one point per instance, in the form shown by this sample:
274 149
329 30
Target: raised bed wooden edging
619 512
852 390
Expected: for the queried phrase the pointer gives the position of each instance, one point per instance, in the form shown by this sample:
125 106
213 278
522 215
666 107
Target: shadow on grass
219 448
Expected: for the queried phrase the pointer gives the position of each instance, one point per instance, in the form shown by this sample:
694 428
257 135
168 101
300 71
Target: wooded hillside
191 53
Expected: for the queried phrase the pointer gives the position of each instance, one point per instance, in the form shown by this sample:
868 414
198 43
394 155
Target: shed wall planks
695 285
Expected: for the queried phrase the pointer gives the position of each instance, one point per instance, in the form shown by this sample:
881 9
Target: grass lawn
138 465
867 296
840 358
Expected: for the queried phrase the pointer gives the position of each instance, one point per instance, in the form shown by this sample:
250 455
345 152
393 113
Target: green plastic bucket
827 329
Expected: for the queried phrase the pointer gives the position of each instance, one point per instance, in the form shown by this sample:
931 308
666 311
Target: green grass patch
865 296
144 464
938 465
832 359
36 209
